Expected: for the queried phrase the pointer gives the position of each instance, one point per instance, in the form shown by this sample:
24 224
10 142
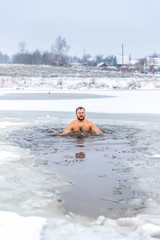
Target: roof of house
102 64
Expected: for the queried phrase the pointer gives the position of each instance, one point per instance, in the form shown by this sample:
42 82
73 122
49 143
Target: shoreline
121 102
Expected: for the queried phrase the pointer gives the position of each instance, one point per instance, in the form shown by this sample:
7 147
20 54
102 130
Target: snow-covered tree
111 60
60 49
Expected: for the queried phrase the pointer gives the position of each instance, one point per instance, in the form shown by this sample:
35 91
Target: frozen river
68 183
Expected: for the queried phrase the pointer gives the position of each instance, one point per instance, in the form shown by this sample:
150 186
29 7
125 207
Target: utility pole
122 57
84 57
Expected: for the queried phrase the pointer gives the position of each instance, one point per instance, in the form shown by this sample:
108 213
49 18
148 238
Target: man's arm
95 128
68 128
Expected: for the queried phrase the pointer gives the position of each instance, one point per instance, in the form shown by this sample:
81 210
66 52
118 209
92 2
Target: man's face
80 114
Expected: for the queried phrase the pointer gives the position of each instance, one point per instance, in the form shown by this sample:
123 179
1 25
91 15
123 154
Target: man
81 124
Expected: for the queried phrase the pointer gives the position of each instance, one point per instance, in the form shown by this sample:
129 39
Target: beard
80 119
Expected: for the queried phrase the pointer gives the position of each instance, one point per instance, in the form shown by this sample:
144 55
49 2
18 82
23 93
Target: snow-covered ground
30 210
52 78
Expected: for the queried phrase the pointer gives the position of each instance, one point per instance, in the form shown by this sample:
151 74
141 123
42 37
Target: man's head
80 113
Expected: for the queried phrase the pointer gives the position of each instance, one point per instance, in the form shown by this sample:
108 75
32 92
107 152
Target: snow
14 226
28 77
115 102
80 83
144 100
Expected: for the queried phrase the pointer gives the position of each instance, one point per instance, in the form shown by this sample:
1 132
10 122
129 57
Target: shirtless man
81 124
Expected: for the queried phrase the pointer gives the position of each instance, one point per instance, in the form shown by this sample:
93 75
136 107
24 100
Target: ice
31 192
6 124
156 156
119 102
39 211
14 226
140 227
7 156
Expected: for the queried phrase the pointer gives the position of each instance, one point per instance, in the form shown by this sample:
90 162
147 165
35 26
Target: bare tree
99 58
111 60
141 64
155 55
22 46
59 49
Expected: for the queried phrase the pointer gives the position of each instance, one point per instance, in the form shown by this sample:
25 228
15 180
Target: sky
89 26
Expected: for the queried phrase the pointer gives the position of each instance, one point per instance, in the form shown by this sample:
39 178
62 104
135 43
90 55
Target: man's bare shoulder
73 122
88 122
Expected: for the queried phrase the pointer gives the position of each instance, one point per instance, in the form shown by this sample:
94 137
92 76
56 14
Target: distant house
102 65
126 63
125 60
153 62
91 61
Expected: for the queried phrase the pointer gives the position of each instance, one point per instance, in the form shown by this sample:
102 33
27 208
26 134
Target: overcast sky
98 26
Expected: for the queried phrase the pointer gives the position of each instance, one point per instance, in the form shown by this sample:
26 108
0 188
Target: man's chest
82 127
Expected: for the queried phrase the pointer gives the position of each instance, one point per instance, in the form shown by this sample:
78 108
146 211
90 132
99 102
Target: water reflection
80 145
80 155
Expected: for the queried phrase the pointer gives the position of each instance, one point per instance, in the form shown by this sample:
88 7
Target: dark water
49 96
97 166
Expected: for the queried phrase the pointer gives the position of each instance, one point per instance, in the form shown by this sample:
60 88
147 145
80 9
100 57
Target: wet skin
81 124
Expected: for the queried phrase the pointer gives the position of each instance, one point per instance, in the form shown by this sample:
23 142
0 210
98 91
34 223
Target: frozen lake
70 181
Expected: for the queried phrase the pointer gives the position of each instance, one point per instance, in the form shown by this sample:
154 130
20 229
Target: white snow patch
118 102
14 226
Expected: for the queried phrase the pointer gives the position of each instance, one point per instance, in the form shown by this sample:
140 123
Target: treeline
35 57
4 58
57 56
48 58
